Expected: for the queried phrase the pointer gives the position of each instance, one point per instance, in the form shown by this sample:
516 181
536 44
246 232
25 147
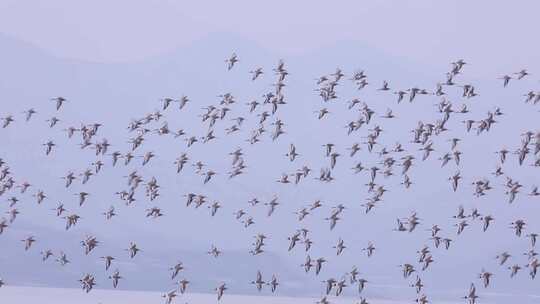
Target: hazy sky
498 35
115 60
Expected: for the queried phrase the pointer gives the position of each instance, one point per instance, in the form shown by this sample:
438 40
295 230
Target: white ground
39 295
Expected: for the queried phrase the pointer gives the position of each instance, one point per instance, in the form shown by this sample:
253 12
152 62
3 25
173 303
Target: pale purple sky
170 48
496 35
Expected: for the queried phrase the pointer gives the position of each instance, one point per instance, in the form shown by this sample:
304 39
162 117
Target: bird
133 250
256 73
329 285
418 284
29 113
214 251
258 281
182 284
455 180
3 225
46 254
521 74
506 80
115 277
176 269
169 296
87 282
28 242
273 283
63 260
231 61
533 237
471 295
369 249
318 265
220 290
514 270
485 276
49 146
59 102
69 178
108 261
292 153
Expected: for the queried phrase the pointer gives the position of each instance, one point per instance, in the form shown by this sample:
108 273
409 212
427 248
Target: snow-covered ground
47 295
40 295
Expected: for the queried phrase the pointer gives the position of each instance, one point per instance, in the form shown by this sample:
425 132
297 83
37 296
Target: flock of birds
405 157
